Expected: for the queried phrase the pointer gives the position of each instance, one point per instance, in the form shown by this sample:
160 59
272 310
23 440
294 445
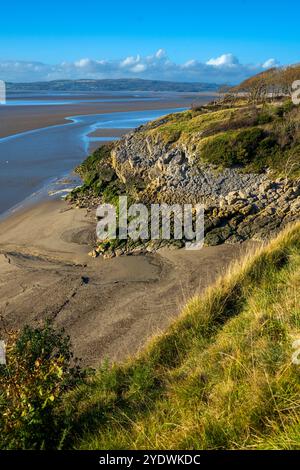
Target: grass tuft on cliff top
221 377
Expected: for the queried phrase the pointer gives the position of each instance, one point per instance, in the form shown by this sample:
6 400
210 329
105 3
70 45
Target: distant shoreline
17 119
109 85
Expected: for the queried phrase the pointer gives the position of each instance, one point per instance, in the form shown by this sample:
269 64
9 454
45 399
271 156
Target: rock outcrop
238 205
241 163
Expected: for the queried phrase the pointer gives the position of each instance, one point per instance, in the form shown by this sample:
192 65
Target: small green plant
40 367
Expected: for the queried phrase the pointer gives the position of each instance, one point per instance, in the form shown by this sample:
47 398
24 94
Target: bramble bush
39 368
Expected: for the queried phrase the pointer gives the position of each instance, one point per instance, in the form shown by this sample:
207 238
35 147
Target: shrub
97 174
285 108
233 148
39 368
94 162
263 118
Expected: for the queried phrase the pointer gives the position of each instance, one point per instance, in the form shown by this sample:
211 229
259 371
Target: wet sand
14 120
106 136
110 308
110 132
31 161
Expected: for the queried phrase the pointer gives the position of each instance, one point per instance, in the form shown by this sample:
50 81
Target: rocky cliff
242 163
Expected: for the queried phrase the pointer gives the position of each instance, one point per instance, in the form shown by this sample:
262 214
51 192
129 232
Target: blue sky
248 32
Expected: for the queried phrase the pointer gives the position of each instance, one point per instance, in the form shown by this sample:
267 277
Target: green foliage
263 118
285 108
233 148
112 192
96 172
175 127
40 367
101 180
92 165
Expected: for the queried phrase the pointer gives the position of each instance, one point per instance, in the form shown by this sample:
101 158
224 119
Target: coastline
48 126
55 189
14 120
45 272
51 153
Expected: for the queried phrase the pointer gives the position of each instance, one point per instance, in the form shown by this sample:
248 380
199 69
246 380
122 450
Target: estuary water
37 162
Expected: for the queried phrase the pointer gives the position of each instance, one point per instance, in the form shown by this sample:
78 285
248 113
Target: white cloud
138 68
160 54
190 64
129 61
223 69
270 63
82 62
225 60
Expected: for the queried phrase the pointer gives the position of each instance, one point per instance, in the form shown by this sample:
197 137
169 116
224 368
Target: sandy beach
109 132
108 307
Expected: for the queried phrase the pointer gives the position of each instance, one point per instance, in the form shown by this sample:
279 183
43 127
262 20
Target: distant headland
121 84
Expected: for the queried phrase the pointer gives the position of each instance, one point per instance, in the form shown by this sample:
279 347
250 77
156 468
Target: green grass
99 177
221 377
180 126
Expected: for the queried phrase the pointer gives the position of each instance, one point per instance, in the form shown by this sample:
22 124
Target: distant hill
113 85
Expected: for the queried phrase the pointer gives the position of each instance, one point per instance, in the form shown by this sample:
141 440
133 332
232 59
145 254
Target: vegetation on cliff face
252 137
98 175
242 162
